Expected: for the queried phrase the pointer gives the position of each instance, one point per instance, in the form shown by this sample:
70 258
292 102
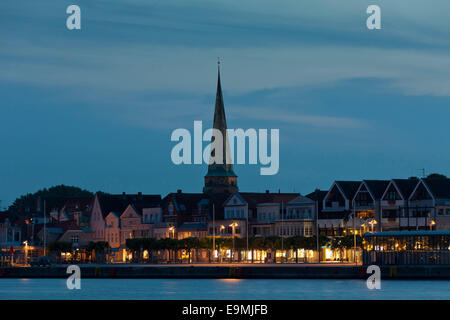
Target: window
308 231
389 214
74 239
444 211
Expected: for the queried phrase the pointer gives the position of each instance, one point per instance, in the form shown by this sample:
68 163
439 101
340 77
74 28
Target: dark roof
405 186
349 188
254 198
119 202
317 195
58 227
440 188
184 202
408 233
377 187
78 204
218 199
187 204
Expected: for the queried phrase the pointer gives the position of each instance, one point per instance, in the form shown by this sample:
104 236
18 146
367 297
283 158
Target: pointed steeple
220 176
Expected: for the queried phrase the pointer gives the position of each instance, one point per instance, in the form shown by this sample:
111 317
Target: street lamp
233 225
172 229
26 252
432 223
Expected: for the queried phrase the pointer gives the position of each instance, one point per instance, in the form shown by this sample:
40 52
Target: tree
98 250
135 246
58 247
337 243
273 243
255 243
206 244
189 244
55 197
436 176
171 245
345 242
150 244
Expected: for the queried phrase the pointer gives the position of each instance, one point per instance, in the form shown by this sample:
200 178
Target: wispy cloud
183 69
290 117
171 46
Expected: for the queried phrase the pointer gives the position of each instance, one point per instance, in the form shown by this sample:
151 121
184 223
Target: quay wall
230 272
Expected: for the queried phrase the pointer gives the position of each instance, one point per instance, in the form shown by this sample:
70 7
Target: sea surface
233 289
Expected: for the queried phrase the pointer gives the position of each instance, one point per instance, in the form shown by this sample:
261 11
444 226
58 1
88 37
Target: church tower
221 178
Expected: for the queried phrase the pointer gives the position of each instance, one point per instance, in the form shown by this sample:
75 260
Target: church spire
220 176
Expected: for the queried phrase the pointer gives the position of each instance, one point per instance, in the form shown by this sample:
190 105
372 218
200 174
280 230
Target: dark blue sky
95 108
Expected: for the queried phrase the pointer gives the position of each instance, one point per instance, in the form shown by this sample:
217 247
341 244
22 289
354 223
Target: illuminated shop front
407 248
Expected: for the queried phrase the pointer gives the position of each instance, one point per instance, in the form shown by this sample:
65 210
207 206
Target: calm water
186 289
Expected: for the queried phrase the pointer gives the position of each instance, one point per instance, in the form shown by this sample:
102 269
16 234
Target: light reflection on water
236 289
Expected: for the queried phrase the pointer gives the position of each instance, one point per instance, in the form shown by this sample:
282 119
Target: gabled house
76 209
394 204
336 207
180 207
78 236
104 204
112 231
10 233
131 225
300 219
67 231
366 202
186 209
262 212
340 195
234 219
429 205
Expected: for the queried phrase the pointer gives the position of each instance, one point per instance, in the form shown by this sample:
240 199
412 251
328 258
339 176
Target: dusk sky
96 107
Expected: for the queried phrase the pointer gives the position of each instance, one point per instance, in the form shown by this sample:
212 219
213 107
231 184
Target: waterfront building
367 207
132 226
336 207
104 204
76 209
113 232
191 230
261 211
164 230
300 218
407 248
10 233
10 238
429 205
53 231
179 207
394 204
78 236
